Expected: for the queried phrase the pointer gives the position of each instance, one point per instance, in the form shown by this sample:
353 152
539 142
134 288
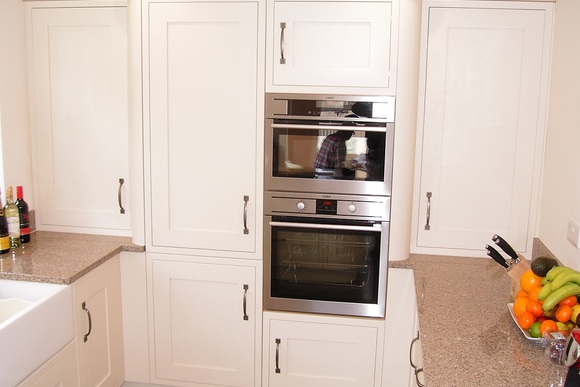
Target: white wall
13 99
561 183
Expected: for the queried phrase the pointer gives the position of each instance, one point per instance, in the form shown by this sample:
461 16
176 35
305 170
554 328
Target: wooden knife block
515 273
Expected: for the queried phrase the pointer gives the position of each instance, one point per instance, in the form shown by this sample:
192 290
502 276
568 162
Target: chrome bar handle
411 351
245 302
427 226
86 336
277 356
246 200
121 182
282 29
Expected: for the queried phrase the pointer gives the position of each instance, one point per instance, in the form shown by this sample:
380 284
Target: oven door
319 266
328 158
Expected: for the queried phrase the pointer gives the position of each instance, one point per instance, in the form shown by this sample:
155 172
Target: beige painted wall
13 99
560 199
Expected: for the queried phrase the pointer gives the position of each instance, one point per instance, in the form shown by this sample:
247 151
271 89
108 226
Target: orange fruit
535 308
548 326
570 301
528 280
533 292
563 313
526 320
521 293
520 306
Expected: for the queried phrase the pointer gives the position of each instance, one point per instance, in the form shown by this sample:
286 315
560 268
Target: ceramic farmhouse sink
36 320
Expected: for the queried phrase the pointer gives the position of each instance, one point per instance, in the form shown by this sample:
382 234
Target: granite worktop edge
62 258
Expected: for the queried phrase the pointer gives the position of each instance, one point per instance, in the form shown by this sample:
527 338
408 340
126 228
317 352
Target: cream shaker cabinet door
79 117
331 44
320 352
201 114
99 326
481 124
204 319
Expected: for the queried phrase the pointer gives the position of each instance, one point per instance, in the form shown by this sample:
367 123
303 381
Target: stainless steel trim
373 228
331 127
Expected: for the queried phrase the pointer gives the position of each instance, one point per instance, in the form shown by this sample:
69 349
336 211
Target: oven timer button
352 208
300 206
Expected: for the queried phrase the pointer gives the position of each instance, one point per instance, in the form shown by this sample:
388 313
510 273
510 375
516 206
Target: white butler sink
36 320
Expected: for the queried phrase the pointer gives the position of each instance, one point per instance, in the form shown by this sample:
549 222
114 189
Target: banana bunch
560 282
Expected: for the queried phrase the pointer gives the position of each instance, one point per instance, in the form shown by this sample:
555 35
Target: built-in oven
326 253
329 144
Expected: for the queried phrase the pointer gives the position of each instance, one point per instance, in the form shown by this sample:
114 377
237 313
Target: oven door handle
375 227
331 127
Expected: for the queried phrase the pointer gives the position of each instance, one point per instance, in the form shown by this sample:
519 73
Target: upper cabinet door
481 123
201 92
78 63
332 46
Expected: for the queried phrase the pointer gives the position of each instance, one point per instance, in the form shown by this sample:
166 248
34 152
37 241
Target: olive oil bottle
4 235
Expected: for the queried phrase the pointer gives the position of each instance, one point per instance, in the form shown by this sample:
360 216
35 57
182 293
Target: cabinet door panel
79 62
200 331
483 110
332 44
316 355
203 124
101 355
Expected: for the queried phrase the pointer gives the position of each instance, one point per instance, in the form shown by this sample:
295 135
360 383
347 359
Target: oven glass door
314 261
335 153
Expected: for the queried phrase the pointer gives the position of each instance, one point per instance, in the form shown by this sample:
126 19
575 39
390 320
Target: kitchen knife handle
505 246
428 220
496 256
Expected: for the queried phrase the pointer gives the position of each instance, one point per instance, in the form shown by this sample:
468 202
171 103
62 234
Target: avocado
542 265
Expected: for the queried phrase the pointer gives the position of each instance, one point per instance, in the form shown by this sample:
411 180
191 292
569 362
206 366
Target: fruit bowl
524 331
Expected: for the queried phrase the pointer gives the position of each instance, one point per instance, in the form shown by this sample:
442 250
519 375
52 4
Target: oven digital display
326 206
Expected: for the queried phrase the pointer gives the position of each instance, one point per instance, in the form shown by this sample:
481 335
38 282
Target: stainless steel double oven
328 171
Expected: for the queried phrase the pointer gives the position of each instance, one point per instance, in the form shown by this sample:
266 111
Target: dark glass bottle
4 235
23 212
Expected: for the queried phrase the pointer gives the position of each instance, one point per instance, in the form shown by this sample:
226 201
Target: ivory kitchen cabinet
403 353
481 124
332 46
205 320
318 351
60 370
99 325
203 119
79 121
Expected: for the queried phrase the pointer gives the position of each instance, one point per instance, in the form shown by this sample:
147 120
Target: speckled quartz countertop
61 258
468 335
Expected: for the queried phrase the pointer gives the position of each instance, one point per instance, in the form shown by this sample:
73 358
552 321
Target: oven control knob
300 205
352 208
